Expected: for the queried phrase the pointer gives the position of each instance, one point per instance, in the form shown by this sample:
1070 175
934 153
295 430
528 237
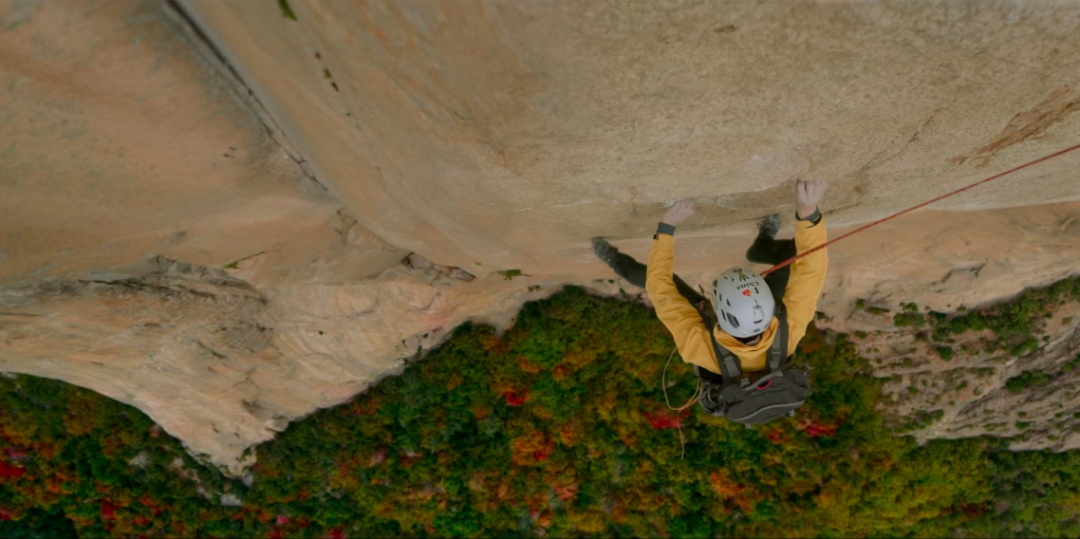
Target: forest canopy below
557 427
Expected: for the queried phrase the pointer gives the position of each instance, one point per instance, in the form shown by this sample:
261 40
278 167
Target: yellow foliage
525 366
542 413
593 521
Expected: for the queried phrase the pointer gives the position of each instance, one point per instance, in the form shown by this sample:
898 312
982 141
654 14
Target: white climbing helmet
743 303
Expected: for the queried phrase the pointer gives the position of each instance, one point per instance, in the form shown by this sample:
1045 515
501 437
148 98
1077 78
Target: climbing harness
994 177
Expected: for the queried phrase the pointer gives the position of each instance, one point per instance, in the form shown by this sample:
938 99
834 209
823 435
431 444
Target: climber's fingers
680 212
809 192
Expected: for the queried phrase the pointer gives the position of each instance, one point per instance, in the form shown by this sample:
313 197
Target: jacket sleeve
806 281
677 314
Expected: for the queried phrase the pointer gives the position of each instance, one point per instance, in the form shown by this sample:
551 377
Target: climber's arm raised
676 313
808 273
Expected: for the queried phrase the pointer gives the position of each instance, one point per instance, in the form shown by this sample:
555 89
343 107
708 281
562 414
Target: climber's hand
807 195
680 212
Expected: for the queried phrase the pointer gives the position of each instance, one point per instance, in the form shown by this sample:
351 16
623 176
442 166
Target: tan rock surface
467 131
120 142
164 242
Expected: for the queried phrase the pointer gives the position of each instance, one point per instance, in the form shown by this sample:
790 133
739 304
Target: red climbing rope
994 177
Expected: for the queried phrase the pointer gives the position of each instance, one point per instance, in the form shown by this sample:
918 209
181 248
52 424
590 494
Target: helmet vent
759 314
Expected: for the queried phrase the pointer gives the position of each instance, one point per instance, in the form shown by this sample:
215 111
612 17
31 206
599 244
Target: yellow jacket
688 329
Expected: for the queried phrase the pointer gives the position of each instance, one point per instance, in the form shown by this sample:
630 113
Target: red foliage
4 515
108 510
815 430
542 455
149 504
513 398
337 533
275 534
282 520
663 420
9 471
140 521
776 436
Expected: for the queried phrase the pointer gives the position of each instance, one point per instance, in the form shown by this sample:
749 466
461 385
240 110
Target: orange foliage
545 519
569 433
619 514
492 344
480 412
724 486
54 485
566 492
560 372
454 381
531 449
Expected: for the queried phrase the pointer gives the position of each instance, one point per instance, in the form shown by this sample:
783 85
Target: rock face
508 132
230 242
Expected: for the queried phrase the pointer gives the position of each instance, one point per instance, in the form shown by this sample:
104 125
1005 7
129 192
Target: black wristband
664 228
814 218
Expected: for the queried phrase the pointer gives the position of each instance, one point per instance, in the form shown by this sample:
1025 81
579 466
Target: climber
743 303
